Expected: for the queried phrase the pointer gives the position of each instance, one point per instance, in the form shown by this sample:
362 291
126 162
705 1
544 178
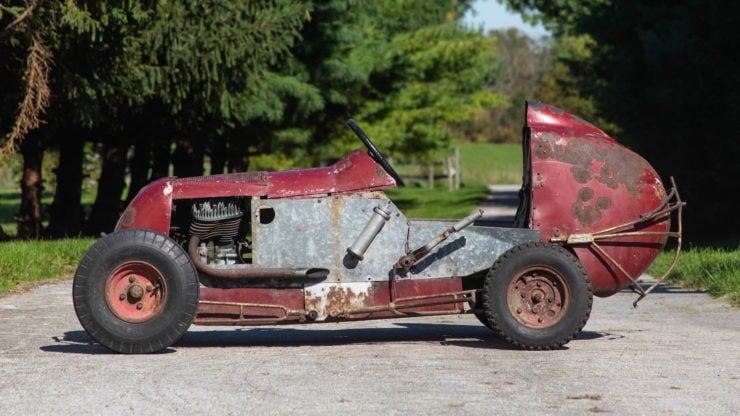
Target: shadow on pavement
446 334
79 342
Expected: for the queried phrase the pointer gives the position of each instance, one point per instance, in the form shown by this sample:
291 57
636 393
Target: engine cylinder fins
225 230
216 210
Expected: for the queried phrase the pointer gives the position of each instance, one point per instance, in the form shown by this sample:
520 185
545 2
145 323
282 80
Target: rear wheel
135 291
537 296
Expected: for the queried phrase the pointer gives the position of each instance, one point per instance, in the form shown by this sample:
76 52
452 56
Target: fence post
430 175
457 168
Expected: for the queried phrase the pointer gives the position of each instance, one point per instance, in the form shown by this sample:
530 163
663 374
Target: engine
222 228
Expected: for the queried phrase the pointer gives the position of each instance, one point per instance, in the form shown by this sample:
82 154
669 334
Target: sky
490 14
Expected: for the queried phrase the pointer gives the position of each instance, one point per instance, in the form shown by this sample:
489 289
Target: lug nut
518 310
131 278
149 288
121 296
139 306
539 319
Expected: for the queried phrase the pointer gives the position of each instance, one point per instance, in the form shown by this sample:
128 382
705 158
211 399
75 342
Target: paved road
677 354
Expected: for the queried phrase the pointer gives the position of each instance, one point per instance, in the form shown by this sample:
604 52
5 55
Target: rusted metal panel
584 181
340 300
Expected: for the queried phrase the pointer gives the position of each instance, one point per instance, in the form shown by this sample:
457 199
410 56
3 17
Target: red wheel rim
135 292
538 297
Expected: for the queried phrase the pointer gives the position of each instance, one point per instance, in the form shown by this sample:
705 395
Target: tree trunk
30 216
160 160
107 206
140 165
187 160
66 213
218 156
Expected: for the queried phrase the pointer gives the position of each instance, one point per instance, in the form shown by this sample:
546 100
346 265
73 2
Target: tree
184 68
522 65
405 69
173 83
24 50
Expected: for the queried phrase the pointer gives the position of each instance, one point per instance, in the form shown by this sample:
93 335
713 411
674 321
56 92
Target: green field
499 164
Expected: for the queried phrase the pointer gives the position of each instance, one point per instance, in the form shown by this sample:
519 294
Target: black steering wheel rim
375 153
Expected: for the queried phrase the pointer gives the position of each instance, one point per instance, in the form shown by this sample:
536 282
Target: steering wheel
375 153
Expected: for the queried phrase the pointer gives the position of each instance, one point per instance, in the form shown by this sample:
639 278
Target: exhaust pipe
237 273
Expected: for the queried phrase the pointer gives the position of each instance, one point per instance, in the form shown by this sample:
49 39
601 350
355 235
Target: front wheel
537 296
135 291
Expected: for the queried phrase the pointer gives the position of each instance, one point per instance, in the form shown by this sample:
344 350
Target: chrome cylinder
371 230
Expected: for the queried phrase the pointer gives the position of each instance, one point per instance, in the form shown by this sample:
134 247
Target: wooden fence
447 168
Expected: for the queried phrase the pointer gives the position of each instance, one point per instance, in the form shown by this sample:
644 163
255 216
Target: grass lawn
494 164
710 268
420 202
26 263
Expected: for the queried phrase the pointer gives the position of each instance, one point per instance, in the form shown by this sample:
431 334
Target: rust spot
588 214
619 166
603 203
341 301
585 194
580 173
338 301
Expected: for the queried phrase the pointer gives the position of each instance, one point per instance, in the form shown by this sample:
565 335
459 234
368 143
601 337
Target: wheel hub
538 297
135 292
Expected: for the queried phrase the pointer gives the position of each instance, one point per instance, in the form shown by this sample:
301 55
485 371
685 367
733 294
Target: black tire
537 296
484 320
135 291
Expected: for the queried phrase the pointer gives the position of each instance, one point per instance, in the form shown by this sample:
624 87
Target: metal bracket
662 213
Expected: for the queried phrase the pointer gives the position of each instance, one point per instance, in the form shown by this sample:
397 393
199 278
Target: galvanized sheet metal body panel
583 181
315 232
469 251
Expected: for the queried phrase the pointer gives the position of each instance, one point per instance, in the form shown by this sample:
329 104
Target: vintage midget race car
326 245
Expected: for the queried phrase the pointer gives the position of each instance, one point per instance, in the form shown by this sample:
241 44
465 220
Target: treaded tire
135 291
537 296
482 318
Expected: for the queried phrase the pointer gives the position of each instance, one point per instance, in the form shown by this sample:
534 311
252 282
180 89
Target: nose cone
583 181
